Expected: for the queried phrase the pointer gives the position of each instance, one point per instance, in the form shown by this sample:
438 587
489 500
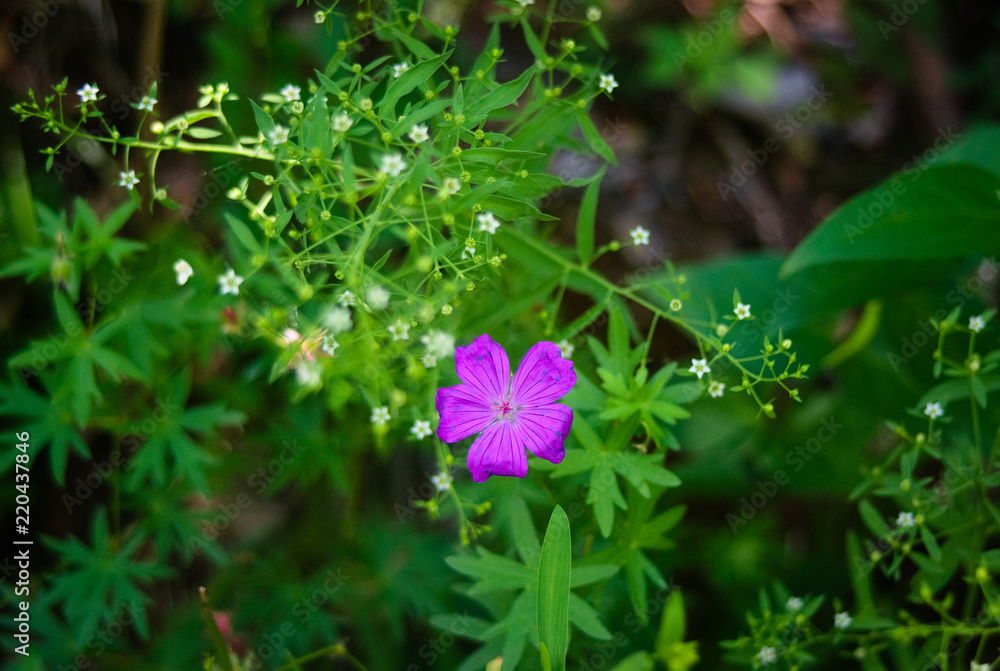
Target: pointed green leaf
553 590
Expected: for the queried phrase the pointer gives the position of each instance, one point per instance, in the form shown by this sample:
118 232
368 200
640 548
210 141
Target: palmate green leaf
910 216
553 590
99 579
49 423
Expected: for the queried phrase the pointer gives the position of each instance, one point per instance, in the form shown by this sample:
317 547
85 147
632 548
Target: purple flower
512 414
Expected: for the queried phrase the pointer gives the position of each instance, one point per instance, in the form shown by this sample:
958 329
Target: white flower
742 311
933 410
593 14
608 83
277 135
380 415
346 298
842 620
525 3
308 374
446 309
419 133
421 429
442 481
676 305
439 344
487 222
794 604
319 17
979 667
184 271
565 349
146 104
377 297
229 283
640 236
338 320
88 93
469 252
721 330
767 655
429 360
976 324
716 389
291 93
342 122
400 330
392 165
400 68
450 187
330 345
699 367
905 520
128 179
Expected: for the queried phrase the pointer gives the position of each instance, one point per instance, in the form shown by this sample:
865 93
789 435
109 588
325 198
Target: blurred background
737 126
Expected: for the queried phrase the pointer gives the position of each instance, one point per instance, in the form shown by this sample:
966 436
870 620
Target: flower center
505 410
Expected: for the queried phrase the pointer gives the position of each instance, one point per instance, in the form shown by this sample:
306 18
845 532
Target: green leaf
637 661
910 216
408 81
872 518
264 121
498 98
585 220
672 626
553 590
594 139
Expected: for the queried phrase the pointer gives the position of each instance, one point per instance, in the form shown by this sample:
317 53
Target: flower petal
543 430
496 452
463 412
483 365
542 377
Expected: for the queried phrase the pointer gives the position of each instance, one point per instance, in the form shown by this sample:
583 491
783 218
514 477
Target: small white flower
608 83
487 222
88 93
450 187
640 236
446 309
291 93
933 410
229 283
392 165
525 3
277 135
699 367
330 345
976 324
429 360
721 330
421 429
319 17
419 133
979 667
905 520
565 349
442 481
338 320
380 415
377 297
794 604
128 179
400 330
309 374
842 620
767 655
716 389
439 343
400 68
469 253
742 311
593 14
184 271
146 104
676 305
342 122
346 298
